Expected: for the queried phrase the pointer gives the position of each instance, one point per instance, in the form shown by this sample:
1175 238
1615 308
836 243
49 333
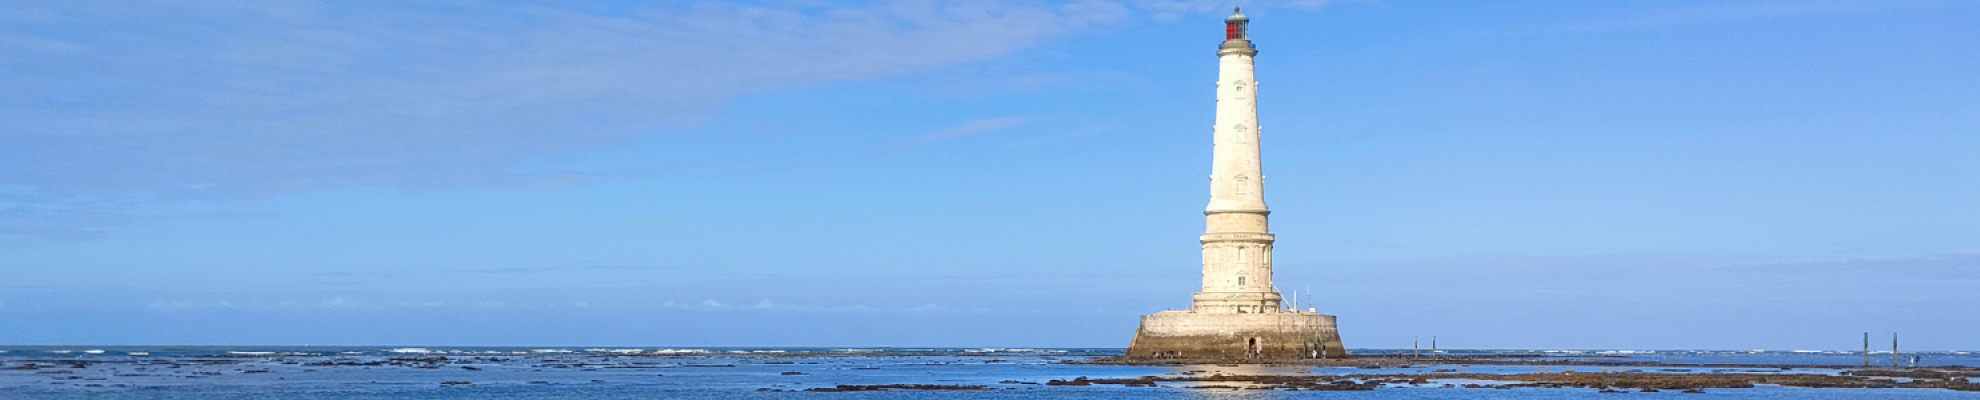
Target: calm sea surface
81 372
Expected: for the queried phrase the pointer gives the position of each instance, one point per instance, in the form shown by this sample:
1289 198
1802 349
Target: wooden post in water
1416 348
1894 356
1433 346
1866 349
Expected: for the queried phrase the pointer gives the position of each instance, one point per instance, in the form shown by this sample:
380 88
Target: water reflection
1238 394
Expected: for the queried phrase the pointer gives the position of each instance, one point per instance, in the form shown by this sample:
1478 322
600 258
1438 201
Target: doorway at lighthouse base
1254 337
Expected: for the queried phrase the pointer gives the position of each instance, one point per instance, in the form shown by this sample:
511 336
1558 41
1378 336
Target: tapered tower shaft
1237 317
1237 247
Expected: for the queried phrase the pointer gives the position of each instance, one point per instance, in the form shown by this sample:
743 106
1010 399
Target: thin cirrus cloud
1739 12
314 92
119 111
163 108
496 271
971 128
912 143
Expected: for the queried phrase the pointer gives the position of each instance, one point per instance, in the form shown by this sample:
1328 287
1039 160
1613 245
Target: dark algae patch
897 386
381 373
1607 381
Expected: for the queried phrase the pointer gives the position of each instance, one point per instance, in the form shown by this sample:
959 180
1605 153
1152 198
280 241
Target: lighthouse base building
1238 315
1271 336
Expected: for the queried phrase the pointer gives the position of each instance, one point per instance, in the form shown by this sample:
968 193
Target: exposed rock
897 386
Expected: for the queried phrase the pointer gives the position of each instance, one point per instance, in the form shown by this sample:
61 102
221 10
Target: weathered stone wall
1236 337
1246 221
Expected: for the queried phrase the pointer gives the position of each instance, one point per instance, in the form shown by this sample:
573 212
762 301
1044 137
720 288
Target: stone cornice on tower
1237 46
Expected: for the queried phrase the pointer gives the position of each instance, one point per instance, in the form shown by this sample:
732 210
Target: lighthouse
1238 314
1237 248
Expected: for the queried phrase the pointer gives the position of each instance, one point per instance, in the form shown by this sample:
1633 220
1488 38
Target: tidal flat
160 372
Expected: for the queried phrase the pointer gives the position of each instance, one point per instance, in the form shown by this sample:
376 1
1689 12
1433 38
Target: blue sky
1557 174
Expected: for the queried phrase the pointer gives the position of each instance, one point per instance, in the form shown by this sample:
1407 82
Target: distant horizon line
748 347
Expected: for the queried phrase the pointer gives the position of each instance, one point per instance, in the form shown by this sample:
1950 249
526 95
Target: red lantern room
1234 25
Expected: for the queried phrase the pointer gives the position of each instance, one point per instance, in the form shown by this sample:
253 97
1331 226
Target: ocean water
80 372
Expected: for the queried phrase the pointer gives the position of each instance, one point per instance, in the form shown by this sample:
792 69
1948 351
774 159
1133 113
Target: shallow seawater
522 373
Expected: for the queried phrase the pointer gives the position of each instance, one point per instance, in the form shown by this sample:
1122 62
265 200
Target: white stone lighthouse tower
1237 249
1238 314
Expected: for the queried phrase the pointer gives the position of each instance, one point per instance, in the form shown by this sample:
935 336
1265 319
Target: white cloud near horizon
351 304
1612 300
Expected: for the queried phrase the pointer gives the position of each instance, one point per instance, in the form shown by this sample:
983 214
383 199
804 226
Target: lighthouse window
1243 188
1240 281
1240 85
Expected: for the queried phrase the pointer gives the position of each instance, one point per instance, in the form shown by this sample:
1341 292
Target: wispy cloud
768 305
1730 12
112 109
494 271
969 129
917 142
1962 266
344 303
170 101
1655 278
331 303
1060 137
141 103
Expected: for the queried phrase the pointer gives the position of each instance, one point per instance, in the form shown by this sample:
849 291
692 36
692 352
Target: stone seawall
1236 337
